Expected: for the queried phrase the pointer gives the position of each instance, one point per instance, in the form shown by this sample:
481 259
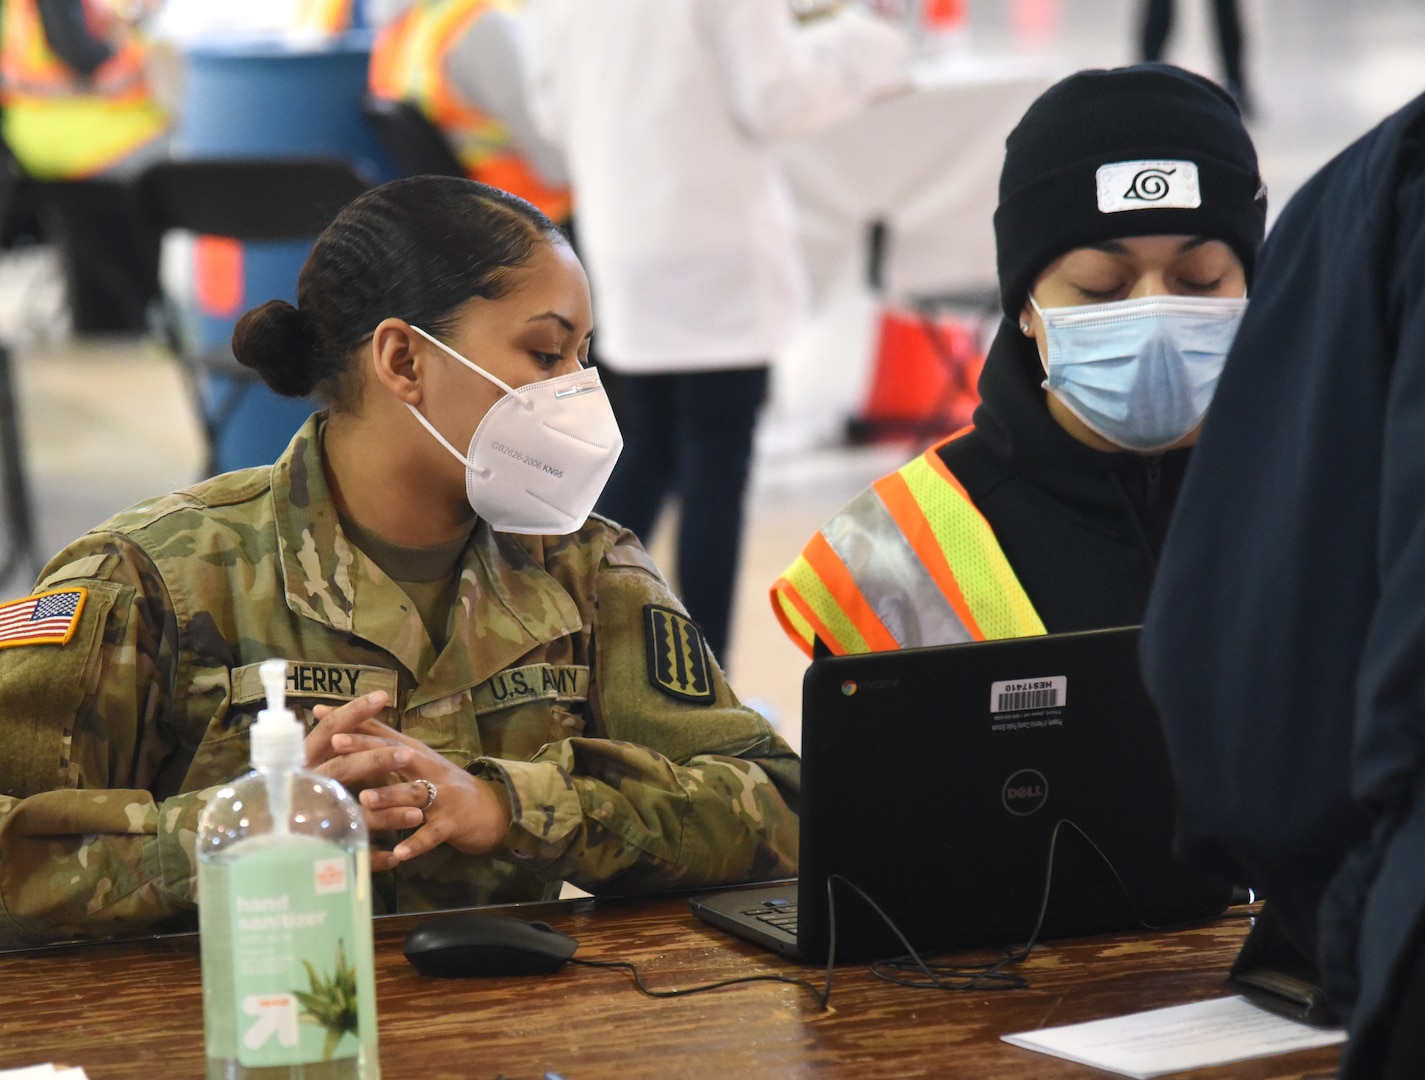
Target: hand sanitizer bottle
284 914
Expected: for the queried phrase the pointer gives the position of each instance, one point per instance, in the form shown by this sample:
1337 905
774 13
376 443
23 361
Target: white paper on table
1161 1041
42 1072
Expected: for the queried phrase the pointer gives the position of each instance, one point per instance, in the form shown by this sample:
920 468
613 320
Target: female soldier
1129 219
511 681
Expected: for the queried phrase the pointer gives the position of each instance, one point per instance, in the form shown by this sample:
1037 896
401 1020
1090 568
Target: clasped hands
394 774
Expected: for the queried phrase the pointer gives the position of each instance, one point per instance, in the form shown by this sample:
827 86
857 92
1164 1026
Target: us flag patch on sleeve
677 656
43 619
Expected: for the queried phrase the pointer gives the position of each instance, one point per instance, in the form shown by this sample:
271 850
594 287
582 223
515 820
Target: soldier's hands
355 749
348 717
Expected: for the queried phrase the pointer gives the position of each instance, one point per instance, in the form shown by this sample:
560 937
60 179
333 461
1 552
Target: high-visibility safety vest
910 561
407 64
58 125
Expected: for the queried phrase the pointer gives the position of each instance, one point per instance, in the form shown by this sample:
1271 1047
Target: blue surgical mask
1141 372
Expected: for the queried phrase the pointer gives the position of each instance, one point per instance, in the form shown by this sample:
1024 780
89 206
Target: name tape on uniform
332 682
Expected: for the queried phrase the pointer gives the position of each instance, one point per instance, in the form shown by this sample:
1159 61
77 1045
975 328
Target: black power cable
911 969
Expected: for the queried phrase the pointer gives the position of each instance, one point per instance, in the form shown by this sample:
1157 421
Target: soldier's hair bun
275 340
415 249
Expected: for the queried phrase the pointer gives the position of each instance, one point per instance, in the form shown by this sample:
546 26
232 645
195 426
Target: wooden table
133 1009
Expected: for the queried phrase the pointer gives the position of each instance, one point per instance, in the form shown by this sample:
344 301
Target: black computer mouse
469 943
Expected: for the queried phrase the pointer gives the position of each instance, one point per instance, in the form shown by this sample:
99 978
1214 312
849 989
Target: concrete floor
107 422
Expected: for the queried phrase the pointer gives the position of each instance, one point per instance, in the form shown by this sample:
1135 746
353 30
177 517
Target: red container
924 381
943 14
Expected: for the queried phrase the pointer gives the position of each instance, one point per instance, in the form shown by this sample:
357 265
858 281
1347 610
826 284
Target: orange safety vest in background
910 561
59 125
329 16
407 64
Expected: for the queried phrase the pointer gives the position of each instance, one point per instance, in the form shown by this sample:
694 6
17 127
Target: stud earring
1024 328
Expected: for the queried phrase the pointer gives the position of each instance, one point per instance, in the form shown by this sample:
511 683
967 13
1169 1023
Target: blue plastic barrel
268 99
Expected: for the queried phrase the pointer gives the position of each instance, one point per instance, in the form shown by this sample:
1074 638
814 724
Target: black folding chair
416 145
244 199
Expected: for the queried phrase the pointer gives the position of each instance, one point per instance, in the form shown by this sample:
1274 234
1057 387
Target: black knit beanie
1134 151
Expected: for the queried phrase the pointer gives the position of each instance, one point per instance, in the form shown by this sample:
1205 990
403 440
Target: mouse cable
821 993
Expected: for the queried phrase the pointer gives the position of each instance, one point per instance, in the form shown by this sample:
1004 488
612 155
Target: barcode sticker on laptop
1019 695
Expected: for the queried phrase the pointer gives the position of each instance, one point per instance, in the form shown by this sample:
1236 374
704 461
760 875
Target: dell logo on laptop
1025 792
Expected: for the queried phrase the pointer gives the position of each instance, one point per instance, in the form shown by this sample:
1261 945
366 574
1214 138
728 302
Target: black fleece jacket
1081 528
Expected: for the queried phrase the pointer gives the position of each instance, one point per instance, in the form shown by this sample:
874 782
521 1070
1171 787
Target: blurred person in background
666 112
1130 213
460 63
1157 24
79 101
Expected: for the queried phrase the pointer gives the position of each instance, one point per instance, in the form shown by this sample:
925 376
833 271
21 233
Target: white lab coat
665 111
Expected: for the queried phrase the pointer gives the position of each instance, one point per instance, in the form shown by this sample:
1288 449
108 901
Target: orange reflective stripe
218 281
798 621
952 437
896 494
843 588
511 173
383 75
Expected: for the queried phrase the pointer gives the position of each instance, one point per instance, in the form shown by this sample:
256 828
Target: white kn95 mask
541 456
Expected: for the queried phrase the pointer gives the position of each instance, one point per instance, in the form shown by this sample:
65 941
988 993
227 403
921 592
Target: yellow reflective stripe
806 585
62 139
989 585
794 617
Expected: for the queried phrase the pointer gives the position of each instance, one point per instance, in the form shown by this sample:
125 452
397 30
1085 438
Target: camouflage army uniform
569 674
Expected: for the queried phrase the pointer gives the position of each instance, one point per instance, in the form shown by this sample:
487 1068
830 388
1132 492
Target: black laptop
935 781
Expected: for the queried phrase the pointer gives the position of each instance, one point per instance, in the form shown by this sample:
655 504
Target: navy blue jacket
1285 637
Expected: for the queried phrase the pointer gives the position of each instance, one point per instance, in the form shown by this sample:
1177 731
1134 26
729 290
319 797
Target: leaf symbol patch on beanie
1148 185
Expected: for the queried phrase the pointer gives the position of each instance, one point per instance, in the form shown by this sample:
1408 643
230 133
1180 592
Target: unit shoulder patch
678 661
47 618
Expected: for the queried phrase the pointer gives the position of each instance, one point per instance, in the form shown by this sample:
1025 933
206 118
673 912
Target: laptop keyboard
779 913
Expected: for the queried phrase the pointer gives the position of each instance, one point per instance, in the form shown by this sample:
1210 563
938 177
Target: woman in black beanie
1130 215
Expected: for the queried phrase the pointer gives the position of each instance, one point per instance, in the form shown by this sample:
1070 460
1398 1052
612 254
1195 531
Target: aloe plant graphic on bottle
284 914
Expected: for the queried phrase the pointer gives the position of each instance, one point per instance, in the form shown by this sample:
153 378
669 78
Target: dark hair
414 249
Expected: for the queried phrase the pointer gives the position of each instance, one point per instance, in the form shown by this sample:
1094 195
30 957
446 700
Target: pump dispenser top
276 737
